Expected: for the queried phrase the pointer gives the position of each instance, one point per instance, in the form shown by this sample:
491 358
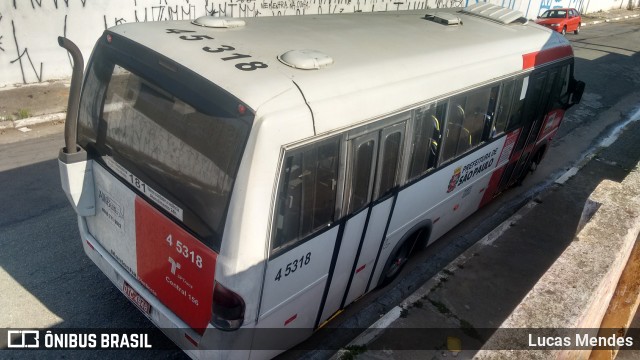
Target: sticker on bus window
143 187
525 86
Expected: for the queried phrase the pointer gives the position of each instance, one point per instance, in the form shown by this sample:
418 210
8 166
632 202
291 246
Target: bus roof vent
496 13
218 22
306 59
443 18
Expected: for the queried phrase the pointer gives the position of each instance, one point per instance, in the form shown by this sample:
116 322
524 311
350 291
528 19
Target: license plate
138 300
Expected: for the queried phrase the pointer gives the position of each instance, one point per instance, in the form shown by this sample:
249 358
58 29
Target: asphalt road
48 282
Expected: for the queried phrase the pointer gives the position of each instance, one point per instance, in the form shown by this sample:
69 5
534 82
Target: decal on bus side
244 66
175 266
111 209
465 173
297 264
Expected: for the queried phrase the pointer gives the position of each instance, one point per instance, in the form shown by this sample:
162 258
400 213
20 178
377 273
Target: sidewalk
609 16
468 301
33 104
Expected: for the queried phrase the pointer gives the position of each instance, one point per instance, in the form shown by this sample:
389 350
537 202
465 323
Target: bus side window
490 114
390 162
427 137
362 175
515 115
307 192
479 111
469 121
504 107
390 159
559 95
457 139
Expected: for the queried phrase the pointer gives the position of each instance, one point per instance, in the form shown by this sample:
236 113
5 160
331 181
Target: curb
35 120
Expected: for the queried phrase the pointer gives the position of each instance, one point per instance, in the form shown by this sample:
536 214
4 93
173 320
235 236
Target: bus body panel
422 202
167 260
242 259
451 181
343 268
164 318
378 219
294 273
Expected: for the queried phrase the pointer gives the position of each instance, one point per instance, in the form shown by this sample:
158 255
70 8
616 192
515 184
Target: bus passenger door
530 125
538 111
373 167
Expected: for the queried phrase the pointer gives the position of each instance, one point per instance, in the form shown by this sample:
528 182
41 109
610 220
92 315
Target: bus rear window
189 155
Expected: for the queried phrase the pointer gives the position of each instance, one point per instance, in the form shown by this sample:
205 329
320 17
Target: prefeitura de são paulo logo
465 173
454 179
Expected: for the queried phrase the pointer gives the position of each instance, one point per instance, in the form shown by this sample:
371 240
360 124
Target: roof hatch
306 59
496 13
443 18
218 22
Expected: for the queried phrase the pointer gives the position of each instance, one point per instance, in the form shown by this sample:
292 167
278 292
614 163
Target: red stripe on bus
289 320
91 246
191 340
361 268
544 56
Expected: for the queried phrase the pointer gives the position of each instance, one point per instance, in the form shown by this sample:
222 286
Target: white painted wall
29 51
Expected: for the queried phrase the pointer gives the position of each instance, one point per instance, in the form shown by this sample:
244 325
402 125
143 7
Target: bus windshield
180 145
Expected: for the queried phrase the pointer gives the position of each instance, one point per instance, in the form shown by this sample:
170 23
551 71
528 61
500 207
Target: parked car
561 20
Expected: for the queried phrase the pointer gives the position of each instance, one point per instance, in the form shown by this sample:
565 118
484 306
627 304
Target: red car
561 20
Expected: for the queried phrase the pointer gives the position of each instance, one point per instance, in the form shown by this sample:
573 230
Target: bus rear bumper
161 316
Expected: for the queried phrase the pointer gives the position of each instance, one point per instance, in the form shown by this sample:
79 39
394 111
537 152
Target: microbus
263 173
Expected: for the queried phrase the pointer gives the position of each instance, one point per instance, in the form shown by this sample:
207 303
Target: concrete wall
29 28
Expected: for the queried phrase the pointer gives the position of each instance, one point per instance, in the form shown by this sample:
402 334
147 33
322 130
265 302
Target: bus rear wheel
396 262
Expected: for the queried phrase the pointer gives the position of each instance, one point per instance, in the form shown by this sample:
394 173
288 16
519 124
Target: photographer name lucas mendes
580 340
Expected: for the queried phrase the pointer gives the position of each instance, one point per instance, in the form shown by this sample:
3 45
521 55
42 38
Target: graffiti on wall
554 4
28 28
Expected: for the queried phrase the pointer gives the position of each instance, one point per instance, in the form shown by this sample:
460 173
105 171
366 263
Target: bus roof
382 62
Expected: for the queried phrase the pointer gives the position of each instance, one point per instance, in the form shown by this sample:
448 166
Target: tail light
227 310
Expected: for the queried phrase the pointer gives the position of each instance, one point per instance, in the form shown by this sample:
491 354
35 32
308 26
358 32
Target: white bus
235 174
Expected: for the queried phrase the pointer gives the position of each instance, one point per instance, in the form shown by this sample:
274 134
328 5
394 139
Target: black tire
577 30
396 262
564 30
528 168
